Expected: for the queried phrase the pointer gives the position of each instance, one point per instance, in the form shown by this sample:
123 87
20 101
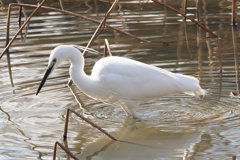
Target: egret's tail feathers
199 93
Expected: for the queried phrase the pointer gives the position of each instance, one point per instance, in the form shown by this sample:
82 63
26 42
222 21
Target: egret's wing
132 79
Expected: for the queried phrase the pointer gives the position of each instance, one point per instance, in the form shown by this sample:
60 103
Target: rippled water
173 127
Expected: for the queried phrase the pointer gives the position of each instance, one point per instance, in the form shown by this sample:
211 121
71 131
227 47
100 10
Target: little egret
121 81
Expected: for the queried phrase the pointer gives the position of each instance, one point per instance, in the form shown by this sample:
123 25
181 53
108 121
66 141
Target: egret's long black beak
47 73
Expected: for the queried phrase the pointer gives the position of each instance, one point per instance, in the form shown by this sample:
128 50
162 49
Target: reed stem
21 28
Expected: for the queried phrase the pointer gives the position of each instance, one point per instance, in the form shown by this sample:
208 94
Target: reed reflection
136 137
236 59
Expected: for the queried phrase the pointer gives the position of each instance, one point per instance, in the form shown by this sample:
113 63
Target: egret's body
122 81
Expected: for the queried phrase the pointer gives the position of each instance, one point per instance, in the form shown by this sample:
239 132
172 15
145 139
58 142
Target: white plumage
122 81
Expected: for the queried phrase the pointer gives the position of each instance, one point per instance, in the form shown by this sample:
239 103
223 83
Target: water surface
173 127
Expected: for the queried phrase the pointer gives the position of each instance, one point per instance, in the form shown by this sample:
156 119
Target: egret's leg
132 112
77 97
70 82
127 111
130 109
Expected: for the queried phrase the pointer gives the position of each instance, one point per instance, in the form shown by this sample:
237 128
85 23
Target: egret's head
57 55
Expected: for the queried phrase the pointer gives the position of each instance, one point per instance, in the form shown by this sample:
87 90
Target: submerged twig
64 148
85 119
95 126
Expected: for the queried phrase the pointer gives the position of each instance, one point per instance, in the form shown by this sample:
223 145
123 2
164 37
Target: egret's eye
54 61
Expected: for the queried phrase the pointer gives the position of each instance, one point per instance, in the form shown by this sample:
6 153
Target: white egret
121 81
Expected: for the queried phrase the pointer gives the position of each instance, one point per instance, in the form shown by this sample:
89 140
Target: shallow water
173 127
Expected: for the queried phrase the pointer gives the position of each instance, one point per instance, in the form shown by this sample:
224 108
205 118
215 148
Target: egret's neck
79 77
77 67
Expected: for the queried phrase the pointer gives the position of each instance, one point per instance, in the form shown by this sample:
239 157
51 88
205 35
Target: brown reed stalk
86 120
7 51
107 49
200 25
184 7
86 18
99 29
101 26
95 126
20 20
8 27
219 54
197 10
56 10
20 16
22 10
194 21
64 148
234 12
21 28
10 70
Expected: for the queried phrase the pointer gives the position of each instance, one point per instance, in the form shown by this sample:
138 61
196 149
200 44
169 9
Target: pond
174 127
